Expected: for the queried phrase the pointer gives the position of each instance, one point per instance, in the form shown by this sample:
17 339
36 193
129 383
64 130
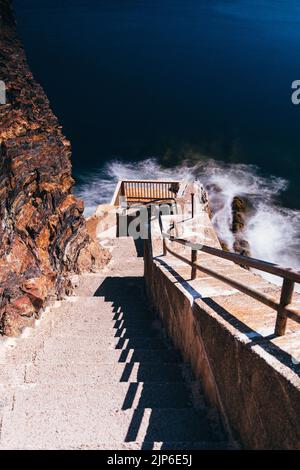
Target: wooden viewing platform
145 191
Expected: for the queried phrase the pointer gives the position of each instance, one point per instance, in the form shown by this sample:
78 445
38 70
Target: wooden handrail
152 181
290 277
241 260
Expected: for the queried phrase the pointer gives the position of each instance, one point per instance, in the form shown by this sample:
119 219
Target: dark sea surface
173 79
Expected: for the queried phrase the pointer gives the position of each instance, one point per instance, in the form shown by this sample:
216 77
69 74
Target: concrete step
84 349
69 423
123 242
109 327
134 332
122 395
121 286
86 306
150 445
140 343
97 373
136 445
87 284
84 328
90 285
120 312
12 374
57 355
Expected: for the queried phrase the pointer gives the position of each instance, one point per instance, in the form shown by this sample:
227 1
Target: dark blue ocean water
172 79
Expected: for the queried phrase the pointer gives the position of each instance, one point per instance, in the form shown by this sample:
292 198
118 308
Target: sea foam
273 231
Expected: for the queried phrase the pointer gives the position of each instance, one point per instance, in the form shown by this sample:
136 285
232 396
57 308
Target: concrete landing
98 373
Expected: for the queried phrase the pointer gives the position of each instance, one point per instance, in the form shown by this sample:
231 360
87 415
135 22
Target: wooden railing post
286 298
193 204
194 260
284 308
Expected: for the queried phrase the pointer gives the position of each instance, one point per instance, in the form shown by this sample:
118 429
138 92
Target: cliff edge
43 232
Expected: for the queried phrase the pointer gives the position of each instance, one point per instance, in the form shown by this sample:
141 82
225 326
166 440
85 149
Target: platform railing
139 191
290 277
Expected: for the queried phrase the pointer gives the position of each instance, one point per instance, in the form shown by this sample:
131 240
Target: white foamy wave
274 235
98 187
273 232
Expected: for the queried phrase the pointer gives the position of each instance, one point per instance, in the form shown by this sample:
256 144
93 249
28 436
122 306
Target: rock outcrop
240 210
43 232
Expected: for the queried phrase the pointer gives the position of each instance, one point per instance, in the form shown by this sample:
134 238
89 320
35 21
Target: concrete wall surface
250 375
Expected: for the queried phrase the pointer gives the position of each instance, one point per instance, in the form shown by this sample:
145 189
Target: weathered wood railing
290 277
146 190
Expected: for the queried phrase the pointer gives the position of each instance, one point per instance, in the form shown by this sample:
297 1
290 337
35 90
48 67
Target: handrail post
164 247
194 260
286 298
193 204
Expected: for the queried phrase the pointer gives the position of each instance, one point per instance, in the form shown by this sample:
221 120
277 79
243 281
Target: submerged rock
240 210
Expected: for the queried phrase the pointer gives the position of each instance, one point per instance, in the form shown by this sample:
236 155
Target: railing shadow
151 369
139 246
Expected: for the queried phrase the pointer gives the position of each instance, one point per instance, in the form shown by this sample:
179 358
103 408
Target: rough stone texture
43 234
228 339
240 210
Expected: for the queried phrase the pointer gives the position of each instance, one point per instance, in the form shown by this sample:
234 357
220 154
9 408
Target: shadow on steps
159 384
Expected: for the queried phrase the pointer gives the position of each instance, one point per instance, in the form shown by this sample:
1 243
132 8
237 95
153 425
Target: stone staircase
98 373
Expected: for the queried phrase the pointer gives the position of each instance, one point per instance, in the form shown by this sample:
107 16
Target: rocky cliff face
43 234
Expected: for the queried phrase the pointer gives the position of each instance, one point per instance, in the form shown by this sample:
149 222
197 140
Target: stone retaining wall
251 379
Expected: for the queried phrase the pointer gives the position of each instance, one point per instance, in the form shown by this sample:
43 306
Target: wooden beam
287 292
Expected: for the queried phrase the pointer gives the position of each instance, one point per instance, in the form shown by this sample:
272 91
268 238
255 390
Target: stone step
95 319
135 332
101 303
149 445
108 338
122 395
116 328
96 373
70 423
83 346
126 242
120 298
96 285
122 266
146 445
116 312
87 284
85 327
57 355
122 286
85 349
92 306
140 343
